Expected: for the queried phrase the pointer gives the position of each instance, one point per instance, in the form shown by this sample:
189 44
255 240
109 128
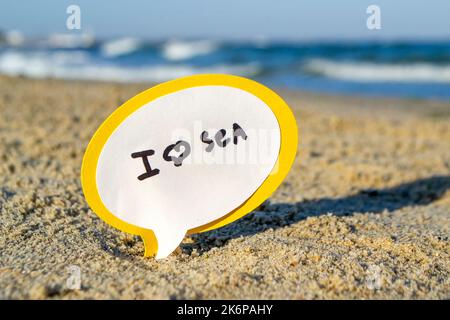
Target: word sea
183 149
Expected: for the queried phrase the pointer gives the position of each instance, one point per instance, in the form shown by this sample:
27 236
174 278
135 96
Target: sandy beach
363 214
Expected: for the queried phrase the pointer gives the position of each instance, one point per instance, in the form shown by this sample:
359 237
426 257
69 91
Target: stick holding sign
188 156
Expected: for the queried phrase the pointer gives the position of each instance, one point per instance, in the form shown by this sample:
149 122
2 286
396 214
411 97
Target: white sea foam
68 41
119 47
176 50
76 65
379 72
14 38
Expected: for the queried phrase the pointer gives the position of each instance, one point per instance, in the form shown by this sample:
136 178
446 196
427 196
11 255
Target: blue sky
233 19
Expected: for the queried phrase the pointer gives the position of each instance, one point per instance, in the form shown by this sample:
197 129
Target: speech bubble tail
168 240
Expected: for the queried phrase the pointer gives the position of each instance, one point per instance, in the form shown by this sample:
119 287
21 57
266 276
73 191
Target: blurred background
309 45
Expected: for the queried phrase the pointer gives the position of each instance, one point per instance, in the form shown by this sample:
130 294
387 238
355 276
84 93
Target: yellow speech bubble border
288 149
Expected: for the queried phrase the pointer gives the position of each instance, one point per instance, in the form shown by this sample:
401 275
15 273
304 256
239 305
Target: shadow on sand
415 193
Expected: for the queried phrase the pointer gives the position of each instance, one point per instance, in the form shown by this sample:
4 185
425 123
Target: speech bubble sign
188 156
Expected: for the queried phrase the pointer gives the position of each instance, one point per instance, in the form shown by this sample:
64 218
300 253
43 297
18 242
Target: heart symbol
177 147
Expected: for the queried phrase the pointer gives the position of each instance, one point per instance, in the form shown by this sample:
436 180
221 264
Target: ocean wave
75 65
182 50
379 72
120 47
40 63
69 41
